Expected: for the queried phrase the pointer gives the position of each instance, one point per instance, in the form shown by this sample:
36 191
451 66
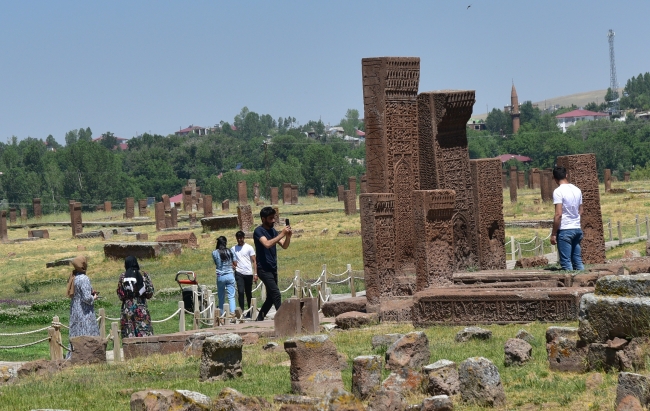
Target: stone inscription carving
159 210
130 207
433 211
142 208
245 218
521 180
187 199
294 194
513 184
488 206
608 179
38 210
581 171
286 193
75 218
350 202
12 215
339 192
242 193
207 206
274 196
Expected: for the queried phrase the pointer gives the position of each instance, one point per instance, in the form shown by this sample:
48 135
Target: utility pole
613 84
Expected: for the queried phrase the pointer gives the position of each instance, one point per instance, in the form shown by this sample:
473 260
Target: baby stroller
188 297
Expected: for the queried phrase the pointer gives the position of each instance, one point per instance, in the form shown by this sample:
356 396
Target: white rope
290 286
60 325
207 308
337 275
258 287
360 278
188 312
339 282
527 242
113 319
168 318
24 333
9 347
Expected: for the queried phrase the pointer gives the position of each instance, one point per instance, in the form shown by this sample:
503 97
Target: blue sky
134 66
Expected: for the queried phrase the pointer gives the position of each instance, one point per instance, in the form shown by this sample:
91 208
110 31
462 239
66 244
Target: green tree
109 140
351 122
498 122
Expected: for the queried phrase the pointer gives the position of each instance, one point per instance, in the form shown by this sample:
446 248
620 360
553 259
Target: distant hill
579 99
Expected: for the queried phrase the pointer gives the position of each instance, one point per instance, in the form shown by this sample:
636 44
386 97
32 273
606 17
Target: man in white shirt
567 233
246 271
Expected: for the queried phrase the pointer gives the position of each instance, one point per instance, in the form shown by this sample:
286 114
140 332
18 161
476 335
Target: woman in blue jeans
225 261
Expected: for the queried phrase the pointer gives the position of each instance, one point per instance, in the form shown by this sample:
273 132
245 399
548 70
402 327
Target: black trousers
273 296
244 285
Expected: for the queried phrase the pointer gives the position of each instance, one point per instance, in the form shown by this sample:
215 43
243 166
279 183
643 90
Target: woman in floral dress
134 289
82 304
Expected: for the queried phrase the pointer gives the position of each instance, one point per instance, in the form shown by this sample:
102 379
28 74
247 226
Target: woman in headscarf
134 288
82 306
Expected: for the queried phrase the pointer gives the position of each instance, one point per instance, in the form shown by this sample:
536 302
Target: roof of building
189 129
582 113
361 133
506 157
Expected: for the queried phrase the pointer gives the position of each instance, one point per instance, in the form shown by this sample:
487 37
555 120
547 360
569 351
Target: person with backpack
134 288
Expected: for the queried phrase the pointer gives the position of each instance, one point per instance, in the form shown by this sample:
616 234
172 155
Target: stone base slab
219 223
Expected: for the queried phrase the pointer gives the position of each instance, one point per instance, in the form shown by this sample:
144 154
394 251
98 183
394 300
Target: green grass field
30 295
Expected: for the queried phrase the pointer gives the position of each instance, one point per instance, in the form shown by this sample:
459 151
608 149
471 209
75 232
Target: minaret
514 111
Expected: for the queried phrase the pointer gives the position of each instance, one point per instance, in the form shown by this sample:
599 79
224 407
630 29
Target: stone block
88 350
168 400
142 237
221 357
532 262
396 310
387 400
525 335
194 343
635 385
38 234
288 321
336 307
480 383
600 357
565 350
473 333
629 403
441 378
605 317
412 350
140 250
406 380
187 239
517 352
437 403
230 399
310 321
219 223
314 365
366 375
355 319
384 340
632 357
624 285
245 217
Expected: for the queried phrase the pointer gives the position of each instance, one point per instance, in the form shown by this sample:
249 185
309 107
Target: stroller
188 297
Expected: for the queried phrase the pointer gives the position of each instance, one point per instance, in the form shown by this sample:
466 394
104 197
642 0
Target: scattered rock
617 343
634 385
601 358
250 338
194 343
531 262
8 375
387 400
411 350
629 403
473 333
88 350
168 400
314 365
517 352
329 327
385 340
232 400
403 380
335 308
565 350
11 255
437 403
366 375
41 367
221 357
594 381
633 356
441 378
356 319
526 336
270 346
324 232
480 383
340 400
631 254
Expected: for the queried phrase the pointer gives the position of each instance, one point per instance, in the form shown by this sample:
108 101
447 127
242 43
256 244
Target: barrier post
325 274
609 227
102 323
647 228
638 227
297 288
513 249
56 351
226 309
253 308
353 290
195 297
197 316
217 317
320 303
117 343
181 318
620 233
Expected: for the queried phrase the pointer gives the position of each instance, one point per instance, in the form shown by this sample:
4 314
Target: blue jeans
226 284
568 246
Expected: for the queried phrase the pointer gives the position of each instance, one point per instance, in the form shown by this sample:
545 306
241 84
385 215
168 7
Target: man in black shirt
266 238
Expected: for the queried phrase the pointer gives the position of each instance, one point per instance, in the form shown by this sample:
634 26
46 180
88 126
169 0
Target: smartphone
286 222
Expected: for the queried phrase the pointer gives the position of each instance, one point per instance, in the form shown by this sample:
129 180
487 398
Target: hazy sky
134 66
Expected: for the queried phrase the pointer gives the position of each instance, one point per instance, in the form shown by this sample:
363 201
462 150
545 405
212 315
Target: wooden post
253 308
102 323
195 297
197 317
519 252
353 290
638 227
325 275
609 227
56 352
320 303
512 247
297 287
328 293
217 317
181 318
647 228
117 345
620 233
541 247
226 309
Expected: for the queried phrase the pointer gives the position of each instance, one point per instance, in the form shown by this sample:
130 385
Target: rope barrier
60 325
65 348
339 282
206 308
113 319
168 318
24 333
337 275
10 347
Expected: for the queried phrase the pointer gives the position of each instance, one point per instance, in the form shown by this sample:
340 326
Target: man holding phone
266 238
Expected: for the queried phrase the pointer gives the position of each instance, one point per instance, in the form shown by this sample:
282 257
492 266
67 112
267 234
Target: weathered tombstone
608 179
564 349
38 211
245 218
38 234
12 215
339 192
23 215
274 196
166 202
513 184
480 383
129 208
521 180
221 357
207 206
581 172
108 207
533 179
488 206
626 177
256 192
242 192
88 350
366 376
411 350
192 219
315 366
286 193
187 199
350 202
364 184
441 378
3 225
544 186
142 208
187 239
174 217
225 205
311 193
504 178
294 194
160 216
432 217
75 218
352 184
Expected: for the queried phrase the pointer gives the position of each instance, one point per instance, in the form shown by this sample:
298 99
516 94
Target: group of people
242 265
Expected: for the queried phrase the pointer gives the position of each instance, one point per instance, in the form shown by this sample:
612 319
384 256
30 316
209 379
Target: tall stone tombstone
187 199
608 180
550 185
521 180
274 196
75 218
581 172
12 215
245 217
352 184
339 192
242 193
166 202
513 184
533 179
225 205
38 210
364 184
3 225
173 214
160 216
294 194
350 202
23 215
256 192
142 208
488 206
168 218
545 185
311 193
207 206
108 206
286 193
626 177
129 208
444 162
504 178
433 212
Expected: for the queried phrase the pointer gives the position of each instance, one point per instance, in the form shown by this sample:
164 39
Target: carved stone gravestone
108 206
294 194
142 208
12 215
3 225
245 218
339 192
513 184
608 180
75 218
311 193
364 184
286 193
129 209
242 193
166 202
160 216
352 184
174 217
23 215
350 202
533 179
187 199
521 180
256 192
225 205
626 177
274 195
38 211
207 206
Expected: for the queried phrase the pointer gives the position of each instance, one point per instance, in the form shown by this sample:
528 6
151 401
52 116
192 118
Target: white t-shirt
243 254
570 197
